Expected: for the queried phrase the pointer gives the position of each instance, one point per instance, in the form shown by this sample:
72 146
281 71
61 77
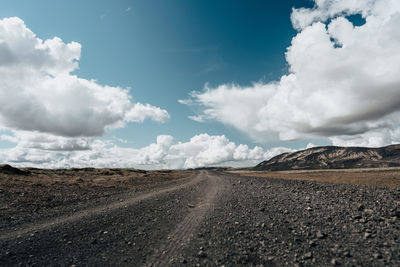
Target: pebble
308 255
377 256
367 235
202 254
335 262
321 235
368 211
312 243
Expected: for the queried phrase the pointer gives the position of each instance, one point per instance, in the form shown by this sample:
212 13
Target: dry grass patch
89 177
38 190
384 177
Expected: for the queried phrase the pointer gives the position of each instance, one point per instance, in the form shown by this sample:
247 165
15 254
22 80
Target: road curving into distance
215 219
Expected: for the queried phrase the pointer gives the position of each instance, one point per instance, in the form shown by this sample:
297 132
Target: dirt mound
7 169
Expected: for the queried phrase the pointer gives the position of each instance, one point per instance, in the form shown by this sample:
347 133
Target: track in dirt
179 238
221 219
25 230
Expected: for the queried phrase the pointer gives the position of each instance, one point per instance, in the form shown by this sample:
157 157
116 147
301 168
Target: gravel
294 223
251 221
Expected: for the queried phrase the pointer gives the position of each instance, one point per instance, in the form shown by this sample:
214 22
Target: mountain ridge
334 157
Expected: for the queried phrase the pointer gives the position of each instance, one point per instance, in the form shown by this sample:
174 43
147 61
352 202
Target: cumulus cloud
47 142
39 93
140 112
47 151
377 138
343 81
201 150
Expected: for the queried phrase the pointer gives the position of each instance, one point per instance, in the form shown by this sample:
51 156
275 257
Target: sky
182 84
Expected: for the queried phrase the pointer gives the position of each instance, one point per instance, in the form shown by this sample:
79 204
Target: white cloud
8 138
38 93
377 138
343 81
197 118
49 142
140 112
47 151
310 145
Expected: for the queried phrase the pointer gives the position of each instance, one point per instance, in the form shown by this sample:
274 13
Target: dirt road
219 219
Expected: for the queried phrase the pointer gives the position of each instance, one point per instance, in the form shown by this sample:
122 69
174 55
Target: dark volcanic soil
213 219
37 194
281 222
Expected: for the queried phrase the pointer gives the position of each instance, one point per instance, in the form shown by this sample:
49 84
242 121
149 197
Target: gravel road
219 219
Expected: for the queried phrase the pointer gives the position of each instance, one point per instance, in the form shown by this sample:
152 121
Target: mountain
333 157
7 169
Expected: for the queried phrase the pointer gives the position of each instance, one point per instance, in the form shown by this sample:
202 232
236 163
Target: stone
202 254
321 235
335 262
308 255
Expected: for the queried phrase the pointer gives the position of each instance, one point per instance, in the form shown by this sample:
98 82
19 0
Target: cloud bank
55 118
62 152
343 81
39 93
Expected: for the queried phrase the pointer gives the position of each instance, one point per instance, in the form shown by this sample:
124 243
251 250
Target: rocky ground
278 222
30 195
212 219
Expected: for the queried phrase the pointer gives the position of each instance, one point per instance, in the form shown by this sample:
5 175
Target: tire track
25 230
178 239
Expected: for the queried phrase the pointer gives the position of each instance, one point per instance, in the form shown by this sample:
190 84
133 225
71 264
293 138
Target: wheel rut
25 230
185 231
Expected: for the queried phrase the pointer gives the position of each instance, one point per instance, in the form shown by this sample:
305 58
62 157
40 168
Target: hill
334 157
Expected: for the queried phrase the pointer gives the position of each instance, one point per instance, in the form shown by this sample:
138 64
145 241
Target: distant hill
7 169
333 157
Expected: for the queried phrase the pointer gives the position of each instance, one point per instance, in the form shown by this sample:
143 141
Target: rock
346 254
377 256
308 255
367 235
368 211
201 254
312 243
321 235
335 262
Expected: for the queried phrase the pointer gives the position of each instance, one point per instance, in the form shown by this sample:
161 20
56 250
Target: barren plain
97 217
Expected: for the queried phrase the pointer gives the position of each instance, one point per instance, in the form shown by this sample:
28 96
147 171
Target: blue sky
164 50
